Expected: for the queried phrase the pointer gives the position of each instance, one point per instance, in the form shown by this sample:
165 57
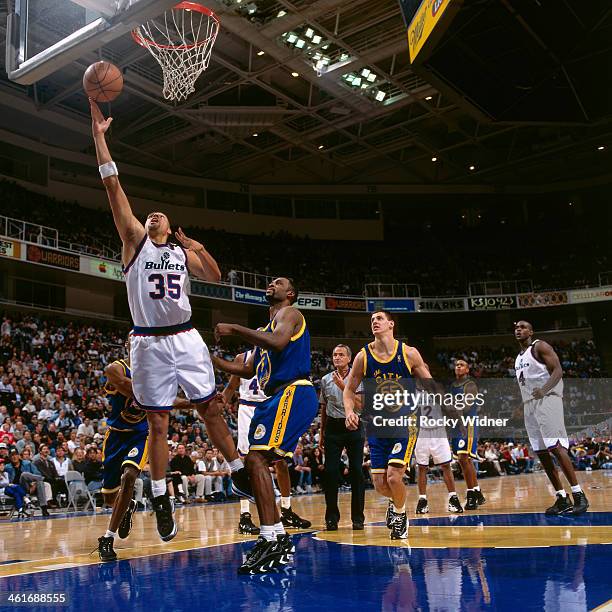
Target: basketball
103 81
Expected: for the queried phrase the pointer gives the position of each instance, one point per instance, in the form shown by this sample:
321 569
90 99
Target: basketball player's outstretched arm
131 231
234 382
117 378
237 367
201 263
545 353
350 389
288 321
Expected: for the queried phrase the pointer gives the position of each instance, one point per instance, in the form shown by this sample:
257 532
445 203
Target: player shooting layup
166 350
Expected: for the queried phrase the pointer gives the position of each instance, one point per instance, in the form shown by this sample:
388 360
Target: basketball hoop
181 41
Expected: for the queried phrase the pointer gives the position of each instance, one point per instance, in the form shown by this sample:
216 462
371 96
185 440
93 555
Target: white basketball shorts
432 443
162 364
245 415
545 423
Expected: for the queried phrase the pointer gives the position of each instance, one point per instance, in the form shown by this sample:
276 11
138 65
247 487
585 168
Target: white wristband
108 169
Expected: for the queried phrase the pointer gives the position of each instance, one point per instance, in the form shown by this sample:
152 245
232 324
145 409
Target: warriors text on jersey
276 368
157 282
532 374
125 413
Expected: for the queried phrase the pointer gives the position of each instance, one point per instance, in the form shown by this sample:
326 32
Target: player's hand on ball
537 394
99 124
352 421
222 329
188 243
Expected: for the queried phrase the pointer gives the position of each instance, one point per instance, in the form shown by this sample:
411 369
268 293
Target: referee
334 437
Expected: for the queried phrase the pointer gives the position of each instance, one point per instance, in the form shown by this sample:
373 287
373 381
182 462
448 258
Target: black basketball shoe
399 525
264 557
388 515
480 498
106 550
246 525
471 503
562 505
422 506
287 546
126 522
166 525
454 505
290 519
581 503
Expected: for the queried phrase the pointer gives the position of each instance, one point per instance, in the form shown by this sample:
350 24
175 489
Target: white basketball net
181 40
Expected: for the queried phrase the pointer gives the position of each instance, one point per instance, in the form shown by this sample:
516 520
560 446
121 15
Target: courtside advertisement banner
337 303
311 302
492 302
101 267
8 248
545 298
211 290
391 305
56 259
250 296
439 305
579 296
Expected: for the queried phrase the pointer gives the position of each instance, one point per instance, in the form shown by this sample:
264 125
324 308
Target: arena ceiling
367 119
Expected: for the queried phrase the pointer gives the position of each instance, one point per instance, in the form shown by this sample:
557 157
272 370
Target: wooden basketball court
506 554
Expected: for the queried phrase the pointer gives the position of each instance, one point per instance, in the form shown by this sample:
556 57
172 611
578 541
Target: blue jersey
125 413
276 368
379 369
458 388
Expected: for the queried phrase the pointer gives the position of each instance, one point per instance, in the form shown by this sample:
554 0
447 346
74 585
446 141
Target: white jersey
532 374
249 391
431 416
157 282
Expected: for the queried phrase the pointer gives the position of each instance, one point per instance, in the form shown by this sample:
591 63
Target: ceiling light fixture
295 75
260 53
472 167
434 159
428 97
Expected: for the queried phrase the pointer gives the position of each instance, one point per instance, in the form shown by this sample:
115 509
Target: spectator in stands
46 467
181 466
224 471
78 460
491 464
302 469
86 429
317 466
93 469
13 490
61 462
24 473
213 478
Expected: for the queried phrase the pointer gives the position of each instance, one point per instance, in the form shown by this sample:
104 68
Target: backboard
45 35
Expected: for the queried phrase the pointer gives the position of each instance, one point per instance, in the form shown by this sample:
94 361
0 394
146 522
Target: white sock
268 532
562 493
422 496
110 534
477 488
236 464
452 494
286 502
279 529
576 489
470 489
244 506
158 487
399 510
